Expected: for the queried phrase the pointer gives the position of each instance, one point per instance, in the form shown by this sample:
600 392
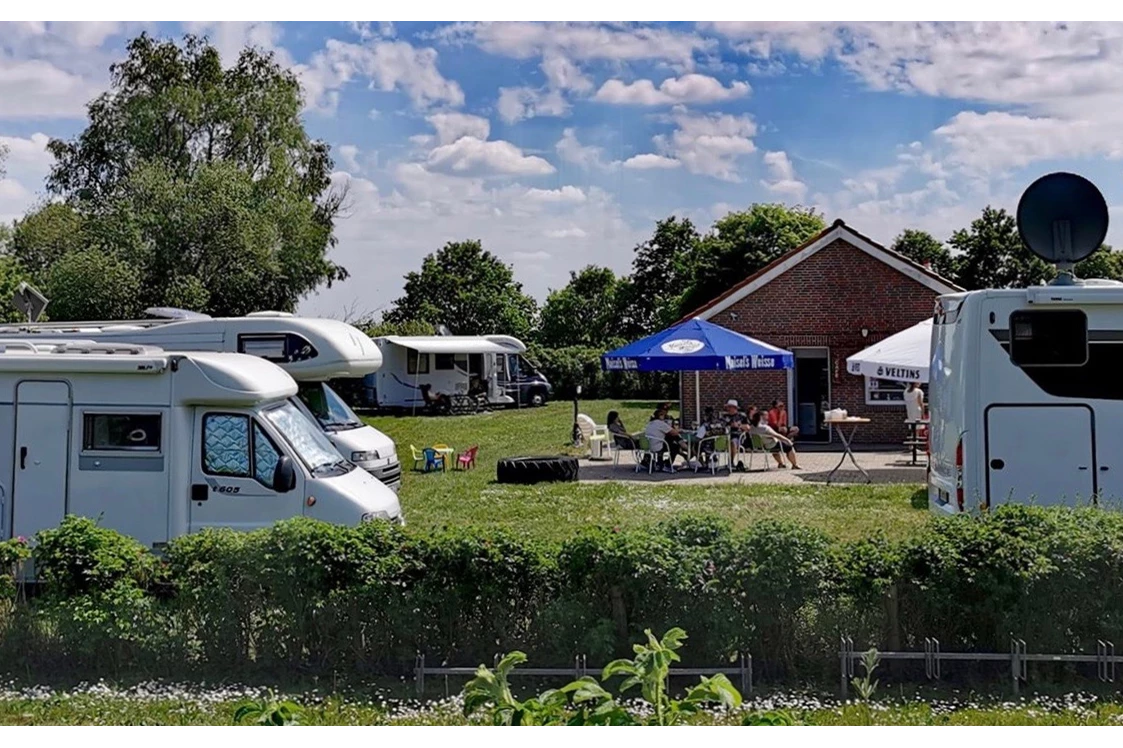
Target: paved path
883 467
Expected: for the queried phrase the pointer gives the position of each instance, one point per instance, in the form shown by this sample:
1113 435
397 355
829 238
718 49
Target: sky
560 145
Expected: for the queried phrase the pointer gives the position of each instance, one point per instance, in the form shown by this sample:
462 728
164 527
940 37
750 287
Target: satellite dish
442 330
1062 218
28 300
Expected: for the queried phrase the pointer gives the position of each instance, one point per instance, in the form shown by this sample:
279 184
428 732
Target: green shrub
364 600
12 555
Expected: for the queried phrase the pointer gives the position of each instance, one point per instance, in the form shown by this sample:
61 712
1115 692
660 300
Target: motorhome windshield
309 442
328 407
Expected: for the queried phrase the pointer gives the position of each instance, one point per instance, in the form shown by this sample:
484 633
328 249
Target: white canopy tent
903 357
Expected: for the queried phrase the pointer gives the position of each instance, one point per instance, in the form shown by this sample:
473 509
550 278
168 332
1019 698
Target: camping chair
645 447
438 403
467 458
621 443
434 460
756 446
718 447
418 458
589 428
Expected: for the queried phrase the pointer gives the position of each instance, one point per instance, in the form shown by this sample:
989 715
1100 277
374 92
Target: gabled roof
834 232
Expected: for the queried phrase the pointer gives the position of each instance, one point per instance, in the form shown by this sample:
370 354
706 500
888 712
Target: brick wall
824 301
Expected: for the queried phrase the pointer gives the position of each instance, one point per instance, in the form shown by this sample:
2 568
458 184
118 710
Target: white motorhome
449 364
159 444
1024 384
311 350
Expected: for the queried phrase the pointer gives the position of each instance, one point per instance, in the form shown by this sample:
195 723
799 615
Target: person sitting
664 438
435 401
778 420
773 441
733 418
620 435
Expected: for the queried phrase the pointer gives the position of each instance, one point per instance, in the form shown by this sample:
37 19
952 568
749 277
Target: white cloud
37 89
25 168
573 232
781 176
231 37
563 75
471 156
451 126
517 104
567 194
386 65
349 155
708 144
572 151
688 89
651 161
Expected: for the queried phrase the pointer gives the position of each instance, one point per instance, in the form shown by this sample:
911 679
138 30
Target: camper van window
226 445
1049 337
416 365
328 407
121 432
265 456
443 361
280 349
309 442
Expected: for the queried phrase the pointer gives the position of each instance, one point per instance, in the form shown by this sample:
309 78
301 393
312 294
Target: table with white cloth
839 425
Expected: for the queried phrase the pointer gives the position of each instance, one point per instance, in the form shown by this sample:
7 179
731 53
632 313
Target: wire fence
933 657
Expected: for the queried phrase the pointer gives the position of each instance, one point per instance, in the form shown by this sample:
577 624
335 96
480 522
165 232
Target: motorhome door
1039 454
234 459
42 452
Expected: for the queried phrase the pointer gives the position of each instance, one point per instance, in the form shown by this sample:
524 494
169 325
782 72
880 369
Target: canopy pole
697 397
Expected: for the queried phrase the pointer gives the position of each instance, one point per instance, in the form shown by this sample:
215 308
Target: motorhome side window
280 349
121 432
227 446
1049 337
416 363
444 361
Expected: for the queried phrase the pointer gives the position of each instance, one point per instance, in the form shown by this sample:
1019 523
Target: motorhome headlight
376 516
364 456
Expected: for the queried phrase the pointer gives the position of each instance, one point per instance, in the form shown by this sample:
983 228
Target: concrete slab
883 467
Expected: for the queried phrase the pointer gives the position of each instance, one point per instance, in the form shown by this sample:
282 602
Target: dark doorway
812 394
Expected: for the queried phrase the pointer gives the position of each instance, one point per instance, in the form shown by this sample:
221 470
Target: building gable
837 232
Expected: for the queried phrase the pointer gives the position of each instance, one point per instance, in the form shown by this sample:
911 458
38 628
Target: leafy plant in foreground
268 712
587 702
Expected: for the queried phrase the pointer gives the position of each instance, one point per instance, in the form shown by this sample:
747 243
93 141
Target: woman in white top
914 402
773 441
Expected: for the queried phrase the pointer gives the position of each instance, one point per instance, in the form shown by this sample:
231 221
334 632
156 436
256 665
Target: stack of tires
530 470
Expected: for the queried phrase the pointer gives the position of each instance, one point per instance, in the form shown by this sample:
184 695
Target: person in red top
778 420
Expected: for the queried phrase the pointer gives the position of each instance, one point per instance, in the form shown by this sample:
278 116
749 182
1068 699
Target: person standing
914 402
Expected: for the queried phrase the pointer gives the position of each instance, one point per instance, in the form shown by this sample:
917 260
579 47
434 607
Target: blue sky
560 145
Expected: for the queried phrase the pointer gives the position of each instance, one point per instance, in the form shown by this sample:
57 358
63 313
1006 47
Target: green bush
364 600
566 368
12 555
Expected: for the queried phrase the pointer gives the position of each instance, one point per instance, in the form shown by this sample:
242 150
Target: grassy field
91 708
557 510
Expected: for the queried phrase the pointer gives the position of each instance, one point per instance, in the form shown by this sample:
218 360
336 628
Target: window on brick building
888 391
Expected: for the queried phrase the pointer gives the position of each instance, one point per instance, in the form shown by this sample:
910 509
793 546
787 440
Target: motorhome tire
529 470
537 398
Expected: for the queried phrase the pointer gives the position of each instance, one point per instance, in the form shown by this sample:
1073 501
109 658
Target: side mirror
284 475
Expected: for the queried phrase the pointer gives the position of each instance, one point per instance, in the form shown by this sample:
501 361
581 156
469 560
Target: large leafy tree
661 271
584 312
922 247
469 290
743 242
201 178
991 254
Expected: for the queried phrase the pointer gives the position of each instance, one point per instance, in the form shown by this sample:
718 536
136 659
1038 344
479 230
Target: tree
921 247
1103 263
46 234
992 255
468 289
91 284
203 179
661 271
583 313
742 243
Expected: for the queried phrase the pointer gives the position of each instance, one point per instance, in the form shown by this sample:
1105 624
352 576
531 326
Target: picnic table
838 423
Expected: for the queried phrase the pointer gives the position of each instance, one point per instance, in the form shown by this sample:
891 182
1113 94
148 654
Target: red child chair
467 458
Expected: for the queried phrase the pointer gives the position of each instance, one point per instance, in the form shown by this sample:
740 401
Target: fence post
419 674
844 663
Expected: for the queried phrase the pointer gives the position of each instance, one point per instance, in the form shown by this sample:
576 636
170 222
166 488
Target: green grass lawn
555 511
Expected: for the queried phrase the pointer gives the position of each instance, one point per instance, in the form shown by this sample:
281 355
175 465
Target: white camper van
311 350
159 444
1025 394
449 364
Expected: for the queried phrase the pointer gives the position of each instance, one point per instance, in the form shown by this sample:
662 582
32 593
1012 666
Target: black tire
537 398
530 470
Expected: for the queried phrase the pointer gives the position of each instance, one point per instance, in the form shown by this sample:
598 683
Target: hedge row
365 600
568 367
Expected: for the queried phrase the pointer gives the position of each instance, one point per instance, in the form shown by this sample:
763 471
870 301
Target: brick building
838 293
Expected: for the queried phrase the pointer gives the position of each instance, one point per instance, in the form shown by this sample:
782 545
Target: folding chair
646 447
719 447
756 446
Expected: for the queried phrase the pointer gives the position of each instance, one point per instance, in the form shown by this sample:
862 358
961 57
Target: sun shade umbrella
903 357
697 345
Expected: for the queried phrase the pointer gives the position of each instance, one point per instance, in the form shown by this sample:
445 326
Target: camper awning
903 357
455 344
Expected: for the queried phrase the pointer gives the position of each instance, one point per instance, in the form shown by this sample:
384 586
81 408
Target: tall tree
743 242
661 271
992 255
583 313
922 247
203 179
1105 262
468 289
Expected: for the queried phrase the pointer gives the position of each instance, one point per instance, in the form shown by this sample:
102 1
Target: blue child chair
433 460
